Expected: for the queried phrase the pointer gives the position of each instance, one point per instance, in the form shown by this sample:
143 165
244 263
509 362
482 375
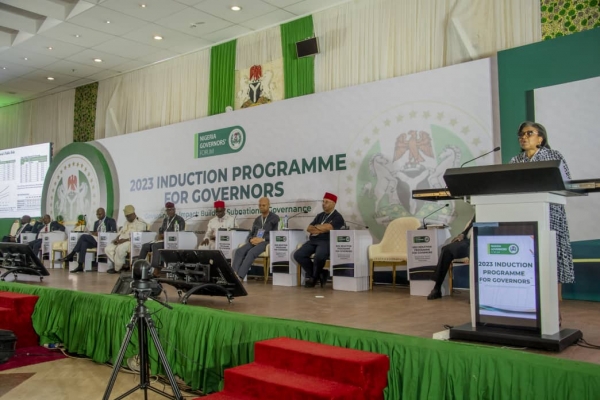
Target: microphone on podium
346 227
293 216
193 216
430 214
483 155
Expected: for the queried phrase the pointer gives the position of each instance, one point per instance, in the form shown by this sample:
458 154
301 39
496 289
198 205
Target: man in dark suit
47 225
103 224
25 227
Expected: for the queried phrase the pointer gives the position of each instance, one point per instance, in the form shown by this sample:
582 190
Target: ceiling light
77 36
108 22
50 78
236 8
3 67
158 37
143 5
97 59
25 58
50 48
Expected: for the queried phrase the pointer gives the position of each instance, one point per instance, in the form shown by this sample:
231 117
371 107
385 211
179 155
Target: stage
388 320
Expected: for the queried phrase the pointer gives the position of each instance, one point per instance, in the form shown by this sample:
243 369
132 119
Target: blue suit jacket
109 223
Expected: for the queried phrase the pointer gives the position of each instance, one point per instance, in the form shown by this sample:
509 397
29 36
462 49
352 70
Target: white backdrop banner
370 144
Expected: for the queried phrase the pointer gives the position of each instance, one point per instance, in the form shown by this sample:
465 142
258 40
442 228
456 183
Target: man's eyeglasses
527 133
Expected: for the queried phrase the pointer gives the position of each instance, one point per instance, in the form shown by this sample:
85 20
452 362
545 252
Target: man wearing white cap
318 243
118 249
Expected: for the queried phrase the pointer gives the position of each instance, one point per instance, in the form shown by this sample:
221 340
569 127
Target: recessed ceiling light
50 78
3 67
97 59
143 5
50 48
158 37
108 22
236 8
25 58
77 36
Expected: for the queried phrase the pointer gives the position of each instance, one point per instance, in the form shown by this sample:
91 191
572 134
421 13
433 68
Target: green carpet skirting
201 343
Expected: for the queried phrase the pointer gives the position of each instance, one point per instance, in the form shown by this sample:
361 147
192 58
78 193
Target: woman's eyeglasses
527 133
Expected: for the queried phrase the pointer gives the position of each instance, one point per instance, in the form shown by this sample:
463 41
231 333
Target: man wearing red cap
222 220
318 243
171 223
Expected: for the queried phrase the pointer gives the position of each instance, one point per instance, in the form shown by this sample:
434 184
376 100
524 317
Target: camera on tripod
142 279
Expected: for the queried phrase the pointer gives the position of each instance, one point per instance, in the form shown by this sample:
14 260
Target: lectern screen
506 274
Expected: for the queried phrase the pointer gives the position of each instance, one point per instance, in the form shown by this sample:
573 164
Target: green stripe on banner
222 77
566 59
200 343
298 73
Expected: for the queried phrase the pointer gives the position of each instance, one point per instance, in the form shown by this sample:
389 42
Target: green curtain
200 343
84 122
560 18
298 73
222 77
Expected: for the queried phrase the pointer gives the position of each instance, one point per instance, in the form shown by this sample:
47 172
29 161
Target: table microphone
346 227
430 214
295 215
483 155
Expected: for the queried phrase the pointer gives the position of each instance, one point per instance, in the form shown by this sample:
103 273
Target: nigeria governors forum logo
79 180
406 148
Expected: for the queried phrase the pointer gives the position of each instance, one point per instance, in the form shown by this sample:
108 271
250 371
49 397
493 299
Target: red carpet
31 355
292 369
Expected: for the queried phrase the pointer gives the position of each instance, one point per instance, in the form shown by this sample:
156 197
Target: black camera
142 283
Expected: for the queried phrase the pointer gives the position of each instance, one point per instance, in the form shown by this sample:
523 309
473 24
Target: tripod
142 319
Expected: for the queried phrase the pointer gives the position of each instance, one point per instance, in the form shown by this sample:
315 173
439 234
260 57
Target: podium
423 250
349 259
27 237
513 254
104 239
181 240
228 241
283 266
137 240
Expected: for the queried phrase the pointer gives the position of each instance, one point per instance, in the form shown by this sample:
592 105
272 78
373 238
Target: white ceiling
61 38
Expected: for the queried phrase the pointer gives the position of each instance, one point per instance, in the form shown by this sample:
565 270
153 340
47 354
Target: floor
386 308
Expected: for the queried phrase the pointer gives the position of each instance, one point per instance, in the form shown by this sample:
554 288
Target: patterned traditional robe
558 217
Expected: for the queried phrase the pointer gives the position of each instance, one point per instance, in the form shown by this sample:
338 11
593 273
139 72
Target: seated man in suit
258 239
221 220
25 227
318 242
118 249
458 248
88 241
47 226
171 223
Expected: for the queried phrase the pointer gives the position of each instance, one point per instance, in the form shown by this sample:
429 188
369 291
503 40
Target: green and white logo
280 239
421 239
343 239
503 248
219 142
78 182
405 148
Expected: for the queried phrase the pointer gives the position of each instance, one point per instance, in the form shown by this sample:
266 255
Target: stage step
22 304
286 368
359 368
15 315
265 382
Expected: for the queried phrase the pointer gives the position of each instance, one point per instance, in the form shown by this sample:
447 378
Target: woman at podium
534 142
